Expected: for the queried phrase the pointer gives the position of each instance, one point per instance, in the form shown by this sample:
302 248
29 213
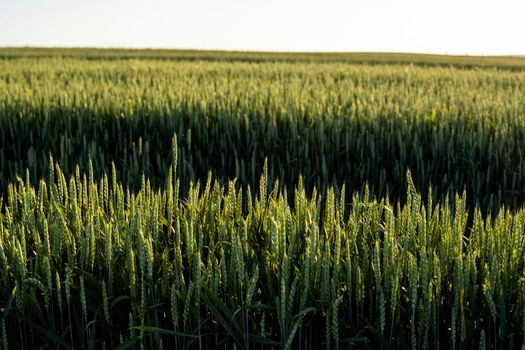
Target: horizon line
277 51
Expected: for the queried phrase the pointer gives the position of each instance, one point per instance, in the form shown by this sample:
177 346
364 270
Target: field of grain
178 199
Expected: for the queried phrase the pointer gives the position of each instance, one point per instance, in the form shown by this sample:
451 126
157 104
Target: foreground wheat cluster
176 204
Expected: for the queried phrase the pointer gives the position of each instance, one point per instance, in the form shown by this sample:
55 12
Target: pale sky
437 26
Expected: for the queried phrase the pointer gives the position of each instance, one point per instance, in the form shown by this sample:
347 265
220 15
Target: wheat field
164 199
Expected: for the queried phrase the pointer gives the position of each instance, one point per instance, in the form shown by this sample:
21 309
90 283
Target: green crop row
332 123
89 264
513 63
